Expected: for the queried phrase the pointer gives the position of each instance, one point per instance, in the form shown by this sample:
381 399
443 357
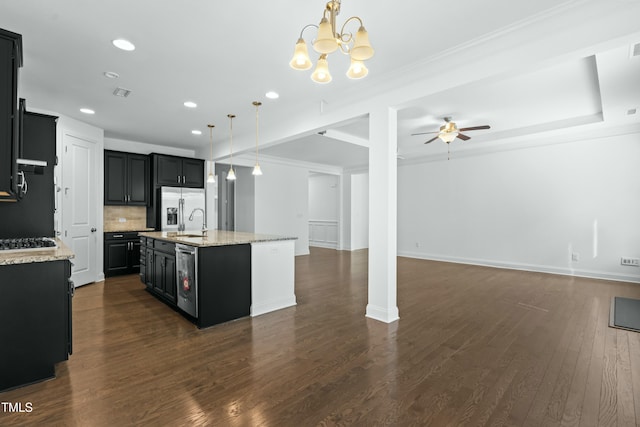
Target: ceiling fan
449 131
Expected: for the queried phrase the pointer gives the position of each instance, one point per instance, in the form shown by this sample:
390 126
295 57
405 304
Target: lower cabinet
158 268
35 321
121 253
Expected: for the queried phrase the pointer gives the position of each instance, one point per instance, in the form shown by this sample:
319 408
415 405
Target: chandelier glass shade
329 40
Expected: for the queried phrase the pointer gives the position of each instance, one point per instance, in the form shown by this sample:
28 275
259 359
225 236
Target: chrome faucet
204 220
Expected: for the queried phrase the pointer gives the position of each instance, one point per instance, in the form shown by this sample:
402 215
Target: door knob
93 230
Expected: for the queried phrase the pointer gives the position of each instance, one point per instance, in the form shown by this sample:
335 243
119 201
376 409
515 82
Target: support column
383 204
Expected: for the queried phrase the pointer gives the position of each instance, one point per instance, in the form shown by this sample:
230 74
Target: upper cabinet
10 61
178 171
126 178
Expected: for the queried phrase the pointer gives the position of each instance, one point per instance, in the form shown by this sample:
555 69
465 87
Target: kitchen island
35 313
221 275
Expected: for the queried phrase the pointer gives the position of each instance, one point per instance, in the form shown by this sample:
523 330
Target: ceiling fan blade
463 137
422 133
475 128
431 140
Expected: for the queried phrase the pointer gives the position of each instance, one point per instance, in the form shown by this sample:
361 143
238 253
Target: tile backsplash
125 218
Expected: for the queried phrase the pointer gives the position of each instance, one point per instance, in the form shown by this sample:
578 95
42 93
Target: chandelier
329 40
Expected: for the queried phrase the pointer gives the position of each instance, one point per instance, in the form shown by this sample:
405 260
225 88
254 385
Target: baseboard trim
273 305
382 314
525 267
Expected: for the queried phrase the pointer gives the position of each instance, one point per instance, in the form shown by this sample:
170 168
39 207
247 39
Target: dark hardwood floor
473 346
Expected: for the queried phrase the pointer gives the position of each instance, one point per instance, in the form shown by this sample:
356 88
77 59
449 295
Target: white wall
359 211
324 194
528 209
145 148
282 198
324 210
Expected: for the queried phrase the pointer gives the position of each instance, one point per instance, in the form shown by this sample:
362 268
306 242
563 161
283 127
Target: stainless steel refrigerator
178 204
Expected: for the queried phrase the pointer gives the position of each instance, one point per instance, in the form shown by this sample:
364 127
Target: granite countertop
214 237
62 252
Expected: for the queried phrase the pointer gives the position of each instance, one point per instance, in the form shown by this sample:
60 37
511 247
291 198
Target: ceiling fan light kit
329 40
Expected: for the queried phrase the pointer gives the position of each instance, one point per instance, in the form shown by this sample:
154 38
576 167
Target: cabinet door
193 173
168 171
117 257
170 286
138 179
158 272
8 108
134 255
149 270
115 178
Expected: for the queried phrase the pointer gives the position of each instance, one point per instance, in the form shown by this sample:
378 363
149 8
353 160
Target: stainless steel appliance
178 203
187 269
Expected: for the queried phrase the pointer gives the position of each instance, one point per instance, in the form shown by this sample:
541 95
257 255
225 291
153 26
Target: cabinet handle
184 179
178 179
118 236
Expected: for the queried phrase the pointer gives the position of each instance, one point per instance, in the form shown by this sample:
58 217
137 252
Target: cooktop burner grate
27 243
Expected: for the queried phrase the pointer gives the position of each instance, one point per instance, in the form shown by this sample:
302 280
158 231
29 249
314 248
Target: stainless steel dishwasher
187 276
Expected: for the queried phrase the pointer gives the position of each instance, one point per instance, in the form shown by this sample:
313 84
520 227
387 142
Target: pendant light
211 178
256 169
231 175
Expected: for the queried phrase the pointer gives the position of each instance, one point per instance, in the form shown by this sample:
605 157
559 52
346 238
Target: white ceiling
521 67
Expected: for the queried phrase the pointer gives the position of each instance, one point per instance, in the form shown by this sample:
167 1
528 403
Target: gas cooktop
27 244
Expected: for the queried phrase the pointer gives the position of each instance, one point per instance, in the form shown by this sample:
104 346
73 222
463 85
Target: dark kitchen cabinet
171 171
126 178
121 253
35 321
10 62
178 171
160 269
32 215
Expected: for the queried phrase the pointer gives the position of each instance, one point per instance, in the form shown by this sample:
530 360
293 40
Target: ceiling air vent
122 92
635 50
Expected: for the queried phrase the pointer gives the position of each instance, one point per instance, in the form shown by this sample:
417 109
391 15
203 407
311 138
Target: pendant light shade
357 69
326 41
300 60
231 175
321 73
211 178
362 49
256 170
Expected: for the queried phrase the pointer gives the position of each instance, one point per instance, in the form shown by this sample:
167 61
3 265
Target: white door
79 213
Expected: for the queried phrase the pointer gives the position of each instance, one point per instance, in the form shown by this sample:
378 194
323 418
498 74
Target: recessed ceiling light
124 44
272 95
196 132
190 104
87 111
111 74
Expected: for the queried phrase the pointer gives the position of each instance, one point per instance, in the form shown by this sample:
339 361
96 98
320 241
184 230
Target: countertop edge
221 238
60 254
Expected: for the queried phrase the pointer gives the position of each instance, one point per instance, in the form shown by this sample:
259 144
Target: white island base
272 276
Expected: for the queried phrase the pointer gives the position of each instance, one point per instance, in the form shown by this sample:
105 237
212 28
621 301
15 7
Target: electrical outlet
122 219
417 244
575 257
633 262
